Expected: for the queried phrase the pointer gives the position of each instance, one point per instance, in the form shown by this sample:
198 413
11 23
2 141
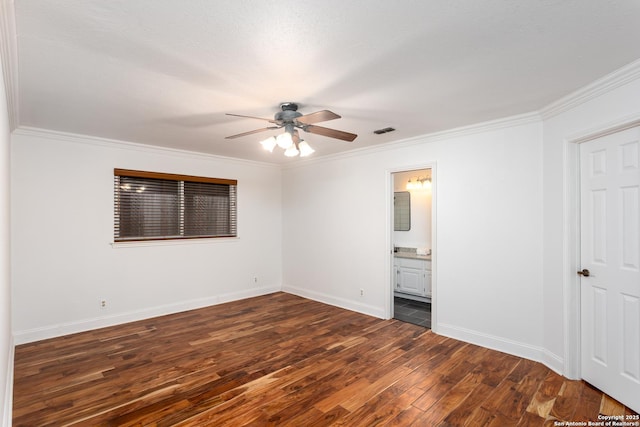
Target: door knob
584 273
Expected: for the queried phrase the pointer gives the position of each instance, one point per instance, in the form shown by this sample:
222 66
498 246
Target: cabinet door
396 276
411 280
427 283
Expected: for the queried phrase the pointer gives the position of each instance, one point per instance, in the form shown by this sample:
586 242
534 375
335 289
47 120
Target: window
155 206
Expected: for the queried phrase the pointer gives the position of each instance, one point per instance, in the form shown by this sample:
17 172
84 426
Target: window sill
171 242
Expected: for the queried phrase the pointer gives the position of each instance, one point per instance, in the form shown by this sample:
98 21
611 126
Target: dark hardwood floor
284 360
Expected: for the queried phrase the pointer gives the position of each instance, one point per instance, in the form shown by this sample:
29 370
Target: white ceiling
165 72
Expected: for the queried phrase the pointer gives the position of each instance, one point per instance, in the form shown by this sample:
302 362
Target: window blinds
152 206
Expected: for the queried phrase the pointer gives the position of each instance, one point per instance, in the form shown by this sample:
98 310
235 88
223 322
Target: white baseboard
37 334
491 341
553 362
515 348
7 409
338 302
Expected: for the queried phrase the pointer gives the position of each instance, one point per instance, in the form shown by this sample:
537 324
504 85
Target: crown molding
132 146
488 126
611 81
9 59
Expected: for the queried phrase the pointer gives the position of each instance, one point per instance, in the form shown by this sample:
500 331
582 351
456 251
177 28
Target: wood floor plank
451 400
464 411
283 360
567 400
363 395
530 419
589 403
610 406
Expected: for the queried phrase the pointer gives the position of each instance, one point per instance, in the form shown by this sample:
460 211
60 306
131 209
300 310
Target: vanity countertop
411 255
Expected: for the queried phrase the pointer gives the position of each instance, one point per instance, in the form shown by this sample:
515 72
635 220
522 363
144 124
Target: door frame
571 251
434 233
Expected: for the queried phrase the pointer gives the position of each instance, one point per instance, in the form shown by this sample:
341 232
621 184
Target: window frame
182 179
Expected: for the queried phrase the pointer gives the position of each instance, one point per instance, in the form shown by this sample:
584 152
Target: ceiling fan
291 120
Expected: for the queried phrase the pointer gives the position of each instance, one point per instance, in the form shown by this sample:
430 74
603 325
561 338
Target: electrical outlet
103 304
361 292
255 279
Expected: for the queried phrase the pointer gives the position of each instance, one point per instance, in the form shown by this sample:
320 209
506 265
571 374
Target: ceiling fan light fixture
292 151
290 120
269 143
284 140
305 149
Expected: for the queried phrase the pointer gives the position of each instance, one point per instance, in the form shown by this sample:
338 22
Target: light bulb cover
284 140
305 149
292 151
269 143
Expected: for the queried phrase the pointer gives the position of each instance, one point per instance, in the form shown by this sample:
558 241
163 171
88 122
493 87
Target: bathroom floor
416 312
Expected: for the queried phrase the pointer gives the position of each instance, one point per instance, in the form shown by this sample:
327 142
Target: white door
610 270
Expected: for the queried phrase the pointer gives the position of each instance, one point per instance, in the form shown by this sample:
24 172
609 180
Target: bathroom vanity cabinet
412 276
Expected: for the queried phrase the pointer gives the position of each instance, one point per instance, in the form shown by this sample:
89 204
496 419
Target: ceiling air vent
385 130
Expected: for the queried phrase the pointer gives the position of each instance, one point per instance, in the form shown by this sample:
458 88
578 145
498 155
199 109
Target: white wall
62 227
488 249
618 103
6 341
419 235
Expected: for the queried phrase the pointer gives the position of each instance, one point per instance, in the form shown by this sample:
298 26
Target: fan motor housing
287 115
289 106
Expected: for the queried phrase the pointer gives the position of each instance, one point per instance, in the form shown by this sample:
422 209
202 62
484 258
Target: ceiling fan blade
252 132
252 117
318 116
331 133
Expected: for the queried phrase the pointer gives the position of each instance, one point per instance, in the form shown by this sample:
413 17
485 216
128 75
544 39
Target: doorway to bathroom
412 238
